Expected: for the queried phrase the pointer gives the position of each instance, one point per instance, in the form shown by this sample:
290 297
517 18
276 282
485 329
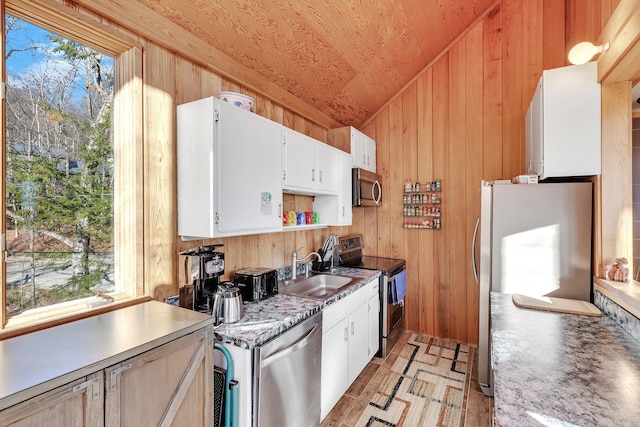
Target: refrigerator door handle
474 263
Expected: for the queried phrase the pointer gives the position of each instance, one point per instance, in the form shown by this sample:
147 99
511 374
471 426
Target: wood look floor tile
358 386
478 410
476 407
338 413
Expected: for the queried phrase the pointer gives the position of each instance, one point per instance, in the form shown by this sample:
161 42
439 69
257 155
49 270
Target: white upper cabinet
363 148
328 177
229 171
563 122
337 210
309 166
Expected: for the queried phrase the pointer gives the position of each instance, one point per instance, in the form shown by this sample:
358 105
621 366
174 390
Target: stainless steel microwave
366 188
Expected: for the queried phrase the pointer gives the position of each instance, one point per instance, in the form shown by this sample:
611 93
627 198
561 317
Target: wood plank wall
460 120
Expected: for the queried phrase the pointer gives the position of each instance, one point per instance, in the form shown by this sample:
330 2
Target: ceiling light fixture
584 51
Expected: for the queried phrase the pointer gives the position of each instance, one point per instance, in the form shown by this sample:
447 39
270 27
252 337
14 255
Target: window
59 169
72 187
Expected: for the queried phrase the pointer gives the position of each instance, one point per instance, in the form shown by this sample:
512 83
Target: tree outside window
59 169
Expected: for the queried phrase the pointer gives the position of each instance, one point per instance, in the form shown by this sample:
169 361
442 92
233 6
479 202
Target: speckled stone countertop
556 369
266 319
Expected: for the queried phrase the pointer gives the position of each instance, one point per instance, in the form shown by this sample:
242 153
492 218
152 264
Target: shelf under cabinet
303 227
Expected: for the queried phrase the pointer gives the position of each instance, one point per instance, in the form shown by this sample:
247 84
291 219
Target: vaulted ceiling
345 58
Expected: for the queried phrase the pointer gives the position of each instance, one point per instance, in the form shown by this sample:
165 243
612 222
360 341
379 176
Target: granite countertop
33 363
266 319
558 369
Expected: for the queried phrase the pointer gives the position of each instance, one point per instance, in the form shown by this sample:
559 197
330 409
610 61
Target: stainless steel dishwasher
287 380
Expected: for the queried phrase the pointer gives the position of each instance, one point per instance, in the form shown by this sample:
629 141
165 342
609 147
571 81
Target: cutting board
561 305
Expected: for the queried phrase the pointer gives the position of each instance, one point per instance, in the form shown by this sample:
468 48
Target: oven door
395 312
391 314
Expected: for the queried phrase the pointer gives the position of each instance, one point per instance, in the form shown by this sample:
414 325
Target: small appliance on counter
202 268
256 283
227 304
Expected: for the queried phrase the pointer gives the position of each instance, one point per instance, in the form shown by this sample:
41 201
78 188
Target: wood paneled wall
462 120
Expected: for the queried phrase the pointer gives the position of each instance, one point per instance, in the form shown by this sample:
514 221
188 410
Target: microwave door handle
375 185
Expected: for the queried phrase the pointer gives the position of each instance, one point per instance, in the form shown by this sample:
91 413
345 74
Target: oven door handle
293 347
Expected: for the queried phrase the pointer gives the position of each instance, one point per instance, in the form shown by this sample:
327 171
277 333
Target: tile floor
476 411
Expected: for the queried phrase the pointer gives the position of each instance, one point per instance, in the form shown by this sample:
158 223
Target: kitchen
430 129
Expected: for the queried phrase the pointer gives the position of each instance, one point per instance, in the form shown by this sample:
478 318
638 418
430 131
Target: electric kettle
227 304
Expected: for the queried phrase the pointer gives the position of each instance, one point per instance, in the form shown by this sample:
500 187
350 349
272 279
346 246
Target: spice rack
422 204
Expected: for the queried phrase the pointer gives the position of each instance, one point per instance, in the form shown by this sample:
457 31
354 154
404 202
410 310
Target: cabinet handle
343 211
352 328
346 334
279 210
321 175
313 174
364 159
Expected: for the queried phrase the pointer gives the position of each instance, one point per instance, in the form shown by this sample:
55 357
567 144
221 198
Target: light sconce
584 51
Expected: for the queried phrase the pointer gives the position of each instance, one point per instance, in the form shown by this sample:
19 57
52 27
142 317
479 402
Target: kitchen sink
318 286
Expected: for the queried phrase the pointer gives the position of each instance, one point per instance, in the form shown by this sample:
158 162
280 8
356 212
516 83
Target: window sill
625 294
46 317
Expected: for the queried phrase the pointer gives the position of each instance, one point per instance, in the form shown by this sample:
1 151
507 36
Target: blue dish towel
399 287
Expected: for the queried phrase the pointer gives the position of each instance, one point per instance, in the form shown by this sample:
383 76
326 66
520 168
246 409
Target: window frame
88 29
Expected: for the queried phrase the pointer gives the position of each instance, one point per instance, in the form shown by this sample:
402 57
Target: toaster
256 283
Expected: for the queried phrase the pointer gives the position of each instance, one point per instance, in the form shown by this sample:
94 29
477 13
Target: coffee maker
202 268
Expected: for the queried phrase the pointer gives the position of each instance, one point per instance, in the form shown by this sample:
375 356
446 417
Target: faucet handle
299 249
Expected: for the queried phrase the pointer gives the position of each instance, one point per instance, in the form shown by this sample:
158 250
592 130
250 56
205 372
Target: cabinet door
345 215
195 155
370 154
571 121
335 365
358 340
249 186
169 385
80 403
329 170
359 149
299 161
374 322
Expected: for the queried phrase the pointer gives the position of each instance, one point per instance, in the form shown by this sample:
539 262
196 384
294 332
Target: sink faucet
295 261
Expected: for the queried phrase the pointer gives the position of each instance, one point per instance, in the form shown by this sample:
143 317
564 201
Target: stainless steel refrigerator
534 239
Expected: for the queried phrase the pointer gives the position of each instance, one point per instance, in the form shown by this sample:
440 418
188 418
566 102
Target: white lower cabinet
346 350
335 368
374 319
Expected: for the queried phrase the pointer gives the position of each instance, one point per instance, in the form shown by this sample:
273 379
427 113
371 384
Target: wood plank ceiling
345 58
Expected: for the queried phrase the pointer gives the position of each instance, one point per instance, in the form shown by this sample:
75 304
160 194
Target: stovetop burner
350 250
